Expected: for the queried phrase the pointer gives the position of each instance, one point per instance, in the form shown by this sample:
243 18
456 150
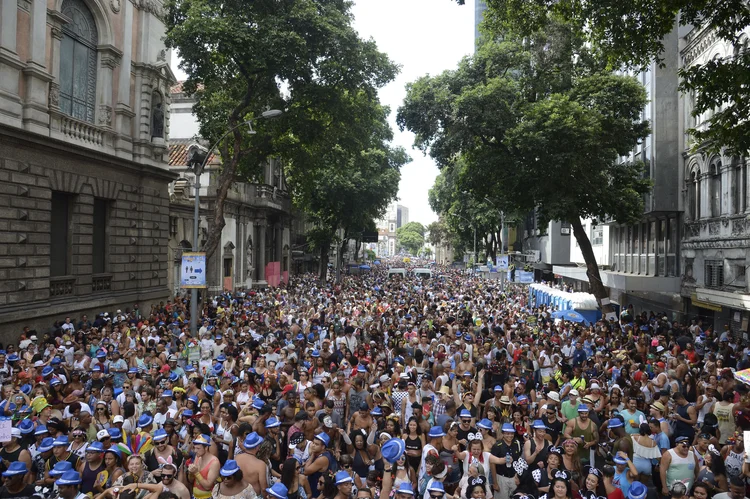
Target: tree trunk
216 222
592 269
324 249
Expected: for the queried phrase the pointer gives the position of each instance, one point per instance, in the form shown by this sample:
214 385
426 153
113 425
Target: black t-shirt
27 491
553 429
464 435
501 449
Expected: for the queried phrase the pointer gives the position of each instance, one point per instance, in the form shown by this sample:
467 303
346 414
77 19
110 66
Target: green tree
411 237
239 55
540 136
427 252
631 35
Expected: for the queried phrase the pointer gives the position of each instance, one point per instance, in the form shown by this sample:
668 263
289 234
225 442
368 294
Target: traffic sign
193 270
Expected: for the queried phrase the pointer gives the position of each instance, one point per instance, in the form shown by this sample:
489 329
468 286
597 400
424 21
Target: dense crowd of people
453 387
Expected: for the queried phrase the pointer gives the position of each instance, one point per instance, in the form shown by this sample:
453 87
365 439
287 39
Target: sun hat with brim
436 486
615 423
60 468
637 491
377 411
210 390
620 460
539 425
658 406
61 441
230 468
498 388
681 439
279 491
573 392
203 440
436 432
69 478
405 488
505 400
46 445
95 447
252 440
484 424
464 414
114 433
258 404
508 428
160 435
145 420
16 468
323 438
15 433
115 451
393 449
55 382
193 399
272 423
26 426
583 408
343 477
47 371
167 393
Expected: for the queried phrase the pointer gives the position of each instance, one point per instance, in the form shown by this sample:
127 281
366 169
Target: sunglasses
436 496
164 477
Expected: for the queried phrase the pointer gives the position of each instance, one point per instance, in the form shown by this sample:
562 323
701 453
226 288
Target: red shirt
616 494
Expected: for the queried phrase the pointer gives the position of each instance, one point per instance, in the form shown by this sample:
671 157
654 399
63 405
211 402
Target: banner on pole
193 270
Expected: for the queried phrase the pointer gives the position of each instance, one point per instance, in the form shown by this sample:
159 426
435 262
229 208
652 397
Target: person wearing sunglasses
294 480
168 481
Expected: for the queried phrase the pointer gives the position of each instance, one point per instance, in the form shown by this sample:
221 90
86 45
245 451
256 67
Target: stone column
279 230
239 254
123 110
36 76
57 21
262 227
10 65
109 58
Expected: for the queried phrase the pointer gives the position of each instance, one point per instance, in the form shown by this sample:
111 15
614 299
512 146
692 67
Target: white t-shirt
84 407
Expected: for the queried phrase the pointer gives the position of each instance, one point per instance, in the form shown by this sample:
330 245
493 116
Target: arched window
715 188
694 195
78 62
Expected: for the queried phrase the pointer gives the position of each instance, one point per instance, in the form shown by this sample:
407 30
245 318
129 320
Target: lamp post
197 159
475 234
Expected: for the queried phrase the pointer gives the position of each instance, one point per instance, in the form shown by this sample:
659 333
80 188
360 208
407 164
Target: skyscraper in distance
479 7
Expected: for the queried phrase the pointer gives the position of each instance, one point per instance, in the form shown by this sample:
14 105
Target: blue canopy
376 262
364 267
568 315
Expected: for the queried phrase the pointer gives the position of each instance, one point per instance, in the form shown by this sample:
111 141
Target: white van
423 273
399 272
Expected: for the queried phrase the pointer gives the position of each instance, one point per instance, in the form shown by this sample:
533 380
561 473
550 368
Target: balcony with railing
101 283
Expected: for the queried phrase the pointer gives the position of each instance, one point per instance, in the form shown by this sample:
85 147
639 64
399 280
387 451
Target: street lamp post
197 159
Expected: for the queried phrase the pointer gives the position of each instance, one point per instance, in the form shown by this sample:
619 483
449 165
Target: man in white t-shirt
545 365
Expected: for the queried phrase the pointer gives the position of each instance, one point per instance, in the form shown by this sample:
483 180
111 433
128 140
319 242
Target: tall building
402 216
715 189
479 7
642 265
84 129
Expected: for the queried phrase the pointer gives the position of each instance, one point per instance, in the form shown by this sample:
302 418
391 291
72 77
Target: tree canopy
631 35
411 237
536 129
305 58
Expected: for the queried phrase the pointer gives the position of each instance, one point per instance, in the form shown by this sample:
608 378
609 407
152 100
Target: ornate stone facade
82 145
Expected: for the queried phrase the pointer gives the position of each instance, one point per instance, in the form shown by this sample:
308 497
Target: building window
392 227
597 235
227 267
694 196
60 234
78 61
99 240
739 270
714 273
715 190
172 226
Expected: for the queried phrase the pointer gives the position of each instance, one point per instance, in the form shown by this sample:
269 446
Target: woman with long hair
112 470
644 450
571 461
294 480
713 473
207 416
102 418
414 439
560 487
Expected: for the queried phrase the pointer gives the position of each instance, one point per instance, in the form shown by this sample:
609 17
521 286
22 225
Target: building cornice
699 40
42 142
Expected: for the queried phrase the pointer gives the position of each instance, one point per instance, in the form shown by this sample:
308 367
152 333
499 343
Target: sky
424 37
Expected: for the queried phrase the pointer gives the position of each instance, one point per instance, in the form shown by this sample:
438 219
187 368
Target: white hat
573 392
102 434
554 396
118 419
595 386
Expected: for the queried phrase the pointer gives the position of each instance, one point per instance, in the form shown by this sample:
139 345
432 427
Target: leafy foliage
631 35
304 57
411 237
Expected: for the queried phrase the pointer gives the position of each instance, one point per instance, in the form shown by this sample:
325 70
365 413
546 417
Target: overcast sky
424 37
